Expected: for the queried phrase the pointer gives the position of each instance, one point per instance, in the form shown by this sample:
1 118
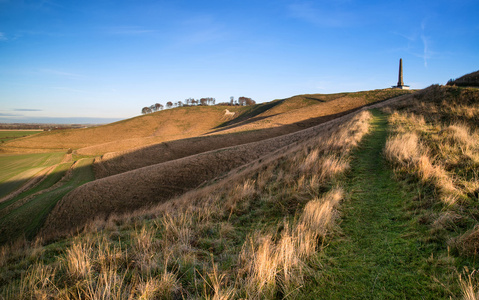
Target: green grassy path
376 256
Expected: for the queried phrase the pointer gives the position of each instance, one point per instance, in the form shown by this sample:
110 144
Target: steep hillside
161 126
255 123
156 183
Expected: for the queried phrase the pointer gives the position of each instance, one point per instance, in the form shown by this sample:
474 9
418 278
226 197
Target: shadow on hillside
254 111
315 99
241 123
172 150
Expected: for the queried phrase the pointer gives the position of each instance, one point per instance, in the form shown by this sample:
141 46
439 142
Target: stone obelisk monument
400 80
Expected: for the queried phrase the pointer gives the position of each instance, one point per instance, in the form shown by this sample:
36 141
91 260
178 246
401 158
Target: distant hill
194 121
471 79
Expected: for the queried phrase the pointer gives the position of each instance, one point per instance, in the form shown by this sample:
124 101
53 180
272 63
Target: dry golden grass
469 285
78 260
435 138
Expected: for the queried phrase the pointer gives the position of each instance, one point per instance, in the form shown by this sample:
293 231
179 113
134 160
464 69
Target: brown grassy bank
291 115
160 126
155 184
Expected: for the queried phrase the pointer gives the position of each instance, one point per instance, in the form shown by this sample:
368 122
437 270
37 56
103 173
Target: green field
25 213
8 135
20 168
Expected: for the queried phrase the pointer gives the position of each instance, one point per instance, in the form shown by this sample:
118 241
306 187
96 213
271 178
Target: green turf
52 178
377 255
28 218
8 135
18 169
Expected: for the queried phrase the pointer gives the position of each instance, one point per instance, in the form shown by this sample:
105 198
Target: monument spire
400 81
400 84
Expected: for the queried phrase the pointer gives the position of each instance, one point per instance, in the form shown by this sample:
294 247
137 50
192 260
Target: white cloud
2 36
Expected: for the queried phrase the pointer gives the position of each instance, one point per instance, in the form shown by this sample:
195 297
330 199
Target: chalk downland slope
252 124
136 182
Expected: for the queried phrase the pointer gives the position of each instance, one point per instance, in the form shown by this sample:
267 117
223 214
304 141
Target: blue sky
108 59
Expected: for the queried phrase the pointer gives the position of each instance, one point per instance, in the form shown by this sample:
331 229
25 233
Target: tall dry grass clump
78 260
435 138
270 266
413 150
469 285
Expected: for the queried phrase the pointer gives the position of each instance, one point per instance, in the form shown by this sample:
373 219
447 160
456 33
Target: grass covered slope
471 79
395 217
255 123
186 122
18 170
25 213
156 127
253 234
154 184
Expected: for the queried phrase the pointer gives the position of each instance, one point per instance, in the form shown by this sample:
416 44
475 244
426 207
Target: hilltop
471 79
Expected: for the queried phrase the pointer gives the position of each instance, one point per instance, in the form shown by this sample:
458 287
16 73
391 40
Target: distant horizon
61 121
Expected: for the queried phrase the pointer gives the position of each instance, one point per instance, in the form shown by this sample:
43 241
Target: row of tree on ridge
241 101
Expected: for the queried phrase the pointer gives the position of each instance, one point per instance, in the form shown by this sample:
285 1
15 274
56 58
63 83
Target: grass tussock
435 141
253 234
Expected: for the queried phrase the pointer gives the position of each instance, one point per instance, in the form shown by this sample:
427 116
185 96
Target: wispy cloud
323 17
129 30
67 89
426 54
27 109
61 73
3 37
418 43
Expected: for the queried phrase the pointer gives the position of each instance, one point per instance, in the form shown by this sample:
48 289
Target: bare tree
232 100
158 106
169 104
145 110
180 103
